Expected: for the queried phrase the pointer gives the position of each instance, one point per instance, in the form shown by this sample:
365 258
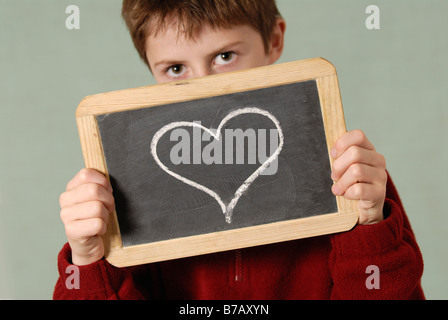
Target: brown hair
147 17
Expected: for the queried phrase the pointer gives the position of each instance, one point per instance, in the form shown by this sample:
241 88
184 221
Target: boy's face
176 57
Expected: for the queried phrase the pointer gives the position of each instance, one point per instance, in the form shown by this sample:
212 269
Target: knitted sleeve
96 281
379 261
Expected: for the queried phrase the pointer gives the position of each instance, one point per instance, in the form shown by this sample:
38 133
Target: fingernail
335 190
333 153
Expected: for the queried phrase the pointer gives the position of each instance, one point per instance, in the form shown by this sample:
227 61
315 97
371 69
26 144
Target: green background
393 84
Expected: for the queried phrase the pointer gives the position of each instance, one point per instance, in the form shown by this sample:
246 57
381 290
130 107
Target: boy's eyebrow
227 47
168 62
224 48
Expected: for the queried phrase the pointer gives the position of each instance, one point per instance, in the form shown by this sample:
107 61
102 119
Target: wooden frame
317 69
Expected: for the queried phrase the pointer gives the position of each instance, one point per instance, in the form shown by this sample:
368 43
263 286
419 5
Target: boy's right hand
85 208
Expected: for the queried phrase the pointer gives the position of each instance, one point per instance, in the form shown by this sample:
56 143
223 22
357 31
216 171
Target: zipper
238 265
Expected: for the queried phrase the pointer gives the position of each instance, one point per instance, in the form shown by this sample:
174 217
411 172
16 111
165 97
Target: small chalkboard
218 163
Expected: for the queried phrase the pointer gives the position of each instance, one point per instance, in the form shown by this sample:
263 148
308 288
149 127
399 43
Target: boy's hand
85 208
359 173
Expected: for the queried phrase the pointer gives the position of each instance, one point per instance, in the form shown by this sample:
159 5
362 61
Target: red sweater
325 267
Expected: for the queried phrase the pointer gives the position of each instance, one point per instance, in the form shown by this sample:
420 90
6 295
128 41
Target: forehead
171 39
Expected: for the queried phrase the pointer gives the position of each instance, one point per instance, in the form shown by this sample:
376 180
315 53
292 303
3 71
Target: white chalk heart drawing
227 209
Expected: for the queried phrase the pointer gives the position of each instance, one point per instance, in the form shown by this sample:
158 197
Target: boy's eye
175 70
224 58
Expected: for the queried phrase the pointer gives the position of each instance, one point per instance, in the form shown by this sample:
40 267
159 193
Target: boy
186 39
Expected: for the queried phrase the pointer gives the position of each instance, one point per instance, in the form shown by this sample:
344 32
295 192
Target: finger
356 154
87 192
83 229
359 173
370 211
355 137
89 176
85 211
367 194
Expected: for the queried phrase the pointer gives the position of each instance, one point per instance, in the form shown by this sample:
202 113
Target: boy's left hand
359 173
